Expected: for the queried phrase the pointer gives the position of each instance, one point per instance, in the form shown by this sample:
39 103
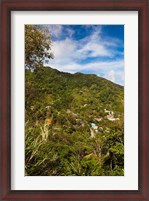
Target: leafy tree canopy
37 47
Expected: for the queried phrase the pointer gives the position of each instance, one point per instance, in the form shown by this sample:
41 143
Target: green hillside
74 124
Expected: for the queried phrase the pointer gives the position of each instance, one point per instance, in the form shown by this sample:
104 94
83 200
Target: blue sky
91 49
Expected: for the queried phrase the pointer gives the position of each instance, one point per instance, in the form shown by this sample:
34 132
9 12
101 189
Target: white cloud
110 75
70 32
122 76
93 49
94 46
91 46
64 50
55 30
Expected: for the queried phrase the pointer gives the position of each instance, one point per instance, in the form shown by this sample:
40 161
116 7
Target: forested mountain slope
74 124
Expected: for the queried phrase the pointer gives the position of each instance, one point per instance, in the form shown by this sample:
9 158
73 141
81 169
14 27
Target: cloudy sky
90 49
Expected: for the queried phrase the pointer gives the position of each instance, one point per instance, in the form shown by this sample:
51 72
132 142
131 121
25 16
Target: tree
37 46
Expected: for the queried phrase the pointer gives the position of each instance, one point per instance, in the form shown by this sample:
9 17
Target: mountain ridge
80 73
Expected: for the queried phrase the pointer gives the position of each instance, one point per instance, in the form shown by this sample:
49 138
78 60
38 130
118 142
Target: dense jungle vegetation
74 122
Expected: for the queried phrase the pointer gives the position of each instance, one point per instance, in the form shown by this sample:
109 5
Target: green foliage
60 108
37 46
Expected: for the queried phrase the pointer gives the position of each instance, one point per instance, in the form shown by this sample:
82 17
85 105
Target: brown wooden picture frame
142 194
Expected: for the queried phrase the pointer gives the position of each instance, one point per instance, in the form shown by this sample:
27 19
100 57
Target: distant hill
73 90
73 108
